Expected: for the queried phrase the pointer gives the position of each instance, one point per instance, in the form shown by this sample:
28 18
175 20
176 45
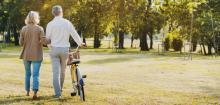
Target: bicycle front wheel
81 93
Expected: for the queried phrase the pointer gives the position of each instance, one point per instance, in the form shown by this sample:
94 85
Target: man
58 32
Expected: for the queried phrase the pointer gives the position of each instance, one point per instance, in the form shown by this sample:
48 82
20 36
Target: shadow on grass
28 99
133 57
109 60
13 99
9 56
10 52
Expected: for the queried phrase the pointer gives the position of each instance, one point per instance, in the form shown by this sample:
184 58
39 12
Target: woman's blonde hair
32 18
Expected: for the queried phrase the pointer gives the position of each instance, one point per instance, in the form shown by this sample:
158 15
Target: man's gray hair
57 10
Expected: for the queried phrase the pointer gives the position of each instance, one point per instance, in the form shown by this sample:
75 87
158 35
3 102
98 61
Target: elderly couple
32 39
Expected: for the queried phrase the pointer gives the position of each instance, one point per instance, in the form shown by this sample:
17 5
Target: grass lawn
127 78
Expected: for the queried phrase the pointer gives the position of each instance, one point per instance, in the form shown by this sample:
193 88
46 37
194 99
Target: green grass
126 78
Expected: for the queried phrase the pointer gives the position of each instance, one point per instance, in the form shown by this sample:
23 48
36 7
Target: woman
32 52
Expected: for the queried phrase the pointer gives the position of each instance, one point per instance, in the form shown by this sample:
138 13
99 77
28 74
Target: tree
150 21
121 12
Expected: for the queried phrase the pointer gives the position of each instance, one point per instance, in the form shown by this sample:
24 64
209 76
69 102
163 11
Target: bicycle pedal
73 94
84 76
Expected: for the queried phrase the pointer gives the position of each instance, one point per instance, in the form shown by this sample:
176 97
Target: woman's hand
45 41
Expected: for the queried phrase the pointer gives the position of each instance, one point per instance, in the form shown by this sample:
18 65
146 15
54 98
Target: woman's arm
21 39
48 31
42 32
42 36
43 39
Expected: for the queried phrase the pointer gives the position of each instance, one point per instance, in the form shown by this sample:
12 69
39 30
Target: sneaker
57 97
27 94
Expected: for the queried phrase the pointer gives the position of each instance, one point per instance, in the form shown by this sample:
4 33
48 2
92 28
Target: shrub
194 46
177 44
167 43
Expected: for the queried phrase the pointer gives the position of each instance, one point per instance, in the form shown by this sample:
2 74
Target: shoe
57 97
35 97
73 93
27 94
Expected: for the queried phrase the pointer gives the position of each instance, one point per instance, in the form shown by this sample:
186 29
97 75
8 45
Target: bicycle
76 76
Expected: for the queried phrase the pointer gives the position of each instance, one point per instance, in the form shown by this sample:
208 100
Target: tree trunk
217 42
194 46
115 38
200 45
143 42
210 46
132 40
121 40
209 49
96 38
151 41
7 37
84 40
83 36
204 50
16 37
96 41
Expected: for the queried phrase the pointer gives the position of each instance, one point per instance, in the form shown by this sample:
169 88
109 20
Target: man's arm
48 31
47 40
74 34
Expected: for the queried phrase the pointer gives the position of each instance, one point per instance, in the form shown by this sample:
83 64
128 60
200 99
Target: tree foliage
141 19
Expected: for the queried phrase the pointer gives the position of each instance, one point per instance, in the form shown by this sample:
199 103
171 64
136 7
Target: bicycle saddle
75 61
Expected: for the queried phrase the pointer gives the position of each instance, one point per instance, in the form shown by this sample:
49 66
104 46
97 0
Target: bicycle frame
77 77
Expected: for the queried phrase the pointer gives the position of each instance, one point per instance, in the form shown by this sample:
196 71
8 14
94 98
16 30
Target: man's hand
83 45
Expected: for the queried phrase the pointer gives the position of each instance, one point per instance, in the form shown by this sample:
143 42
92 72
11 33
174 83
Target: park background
147 52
